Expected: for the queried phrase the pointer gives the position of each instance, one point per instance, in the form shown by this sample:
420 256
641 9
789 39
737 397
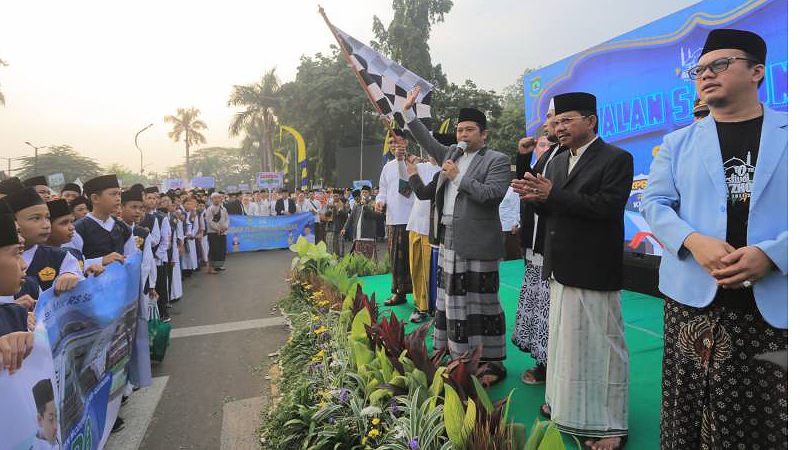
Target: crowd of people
716 200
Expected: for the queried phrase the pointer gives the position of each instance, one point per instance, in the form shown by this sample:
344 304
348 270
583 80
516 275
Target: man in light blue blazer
717 200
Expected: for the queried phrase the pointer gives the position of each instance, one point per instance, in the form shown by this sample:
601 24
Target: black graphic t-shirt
739 142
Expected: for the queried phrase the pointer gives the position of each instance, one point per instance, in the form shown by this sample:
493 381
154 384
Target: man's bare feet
611 443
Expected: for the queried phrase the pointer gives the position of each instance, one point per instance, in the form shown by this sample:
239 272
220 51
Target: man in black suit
285 205
583 195
234 206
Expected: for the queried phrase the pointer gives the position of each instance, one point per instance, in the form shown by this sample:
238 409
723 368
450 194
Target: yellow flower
315 318
321 404
376 421
373 433
363 440
321 330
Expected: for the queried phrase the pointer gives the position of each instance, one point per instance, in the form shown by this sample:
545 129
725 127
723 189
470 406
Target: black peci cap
746 41
8 230
99 184
11 185
472 115
575 101
24 198
38 180
58 208
72 187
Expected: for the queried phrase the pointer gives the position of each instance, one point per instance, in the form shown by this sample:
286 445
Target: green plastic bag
158 333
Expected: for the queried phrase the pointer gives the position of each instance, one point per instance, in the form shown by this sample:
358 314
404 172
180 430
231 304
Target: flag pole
361 81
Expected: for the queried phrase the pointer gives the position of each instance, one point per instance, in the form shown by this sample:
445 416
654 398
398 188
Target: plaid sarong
398 255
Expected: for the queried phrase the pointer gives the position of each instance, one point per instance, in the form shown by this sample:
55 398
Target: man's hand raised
411 98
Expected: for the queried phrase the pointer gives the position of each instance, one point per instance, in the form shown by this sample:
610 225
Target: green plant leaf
537 434
469 419
552 439
453 417
483 396
358 332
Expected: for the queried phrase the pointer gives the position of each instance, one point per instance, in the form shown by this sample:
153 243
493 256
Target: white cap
552 106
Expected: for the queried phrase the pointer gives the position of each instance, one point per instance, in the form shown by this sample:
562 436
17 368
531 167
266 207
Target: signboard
643 91
174 183
269 180
56 179
358 183
248 233
203 182
244 187
230 188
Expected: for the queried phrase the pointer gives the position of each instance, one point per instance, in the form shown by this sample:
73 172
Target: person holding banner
394 197
472 183
50 266
62 230
16 342
717 198
217 227
285 205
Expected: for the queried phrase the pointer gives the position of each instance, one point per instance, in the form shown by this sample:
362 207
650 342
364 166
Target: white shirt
576 155
165 236
509 210
251 209
148 273
108 225
451 189
309 205
419 219
70 264
398 207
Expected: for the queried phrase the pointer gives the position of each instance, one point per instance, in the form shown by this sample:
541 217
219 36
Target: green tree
260 101
60 158
405 40
126 176
186 125
324 104
509 127
2 97
227 165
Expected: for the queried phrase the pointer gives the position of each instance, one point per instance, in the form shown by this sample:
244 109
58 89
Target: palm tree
185 123
260 100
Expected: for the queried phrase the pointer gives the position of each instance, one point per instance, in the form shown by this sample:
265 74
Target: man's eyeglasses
716 66
566 120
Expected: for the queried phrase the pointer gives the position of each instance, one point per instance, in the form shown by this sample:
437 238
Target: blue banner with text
249 233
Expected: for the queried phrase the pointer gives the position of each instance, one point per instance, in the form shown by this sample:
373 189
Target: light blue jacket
686 192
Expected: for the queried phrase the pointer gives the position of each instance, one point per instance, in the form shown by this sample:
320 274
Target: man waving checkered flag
385 81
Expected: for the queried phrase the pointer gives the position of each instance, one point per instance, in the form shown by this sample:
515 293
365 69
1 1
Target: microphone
460 148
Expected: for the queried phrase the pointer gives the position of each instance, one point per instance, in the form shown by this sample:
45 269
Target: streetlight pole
35 157
141 153
361 150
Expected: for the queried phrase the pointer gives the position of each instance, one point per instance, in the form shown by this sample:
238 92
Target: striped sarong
468 309
398 255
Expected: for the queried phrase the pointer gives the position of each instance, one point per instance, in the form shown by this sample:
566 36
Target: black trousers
162 288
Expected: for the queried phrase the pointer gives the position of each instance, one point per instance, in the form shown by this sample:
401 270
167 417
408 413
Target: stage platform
644 318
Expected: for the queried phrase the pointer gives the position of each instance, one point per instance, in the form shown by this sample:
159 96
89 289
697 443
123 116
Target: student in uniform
131 213
9 186
174 282
15 339
100 236
62 231
161 236
51 266
217 226
39 183
192 230
79 207
70 192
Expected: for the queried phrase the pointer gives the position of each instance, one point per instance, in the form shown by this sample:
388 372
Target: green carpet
643 315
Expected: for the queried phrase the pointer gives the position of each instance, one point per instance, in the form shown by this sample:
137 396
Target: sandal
493 370
534 375
545 411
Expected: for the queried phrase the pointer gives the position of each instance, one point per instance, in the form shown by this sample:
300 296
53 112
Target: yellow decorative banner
301 153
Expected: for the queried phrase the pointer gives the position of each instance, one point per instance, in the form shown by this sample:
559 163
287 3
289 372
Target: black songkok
42 394
746 41
99 184
151 190
11 185
472 115
58 208
71 187
79 200
23 198
8 230
132 195
575 101
39 180
445 138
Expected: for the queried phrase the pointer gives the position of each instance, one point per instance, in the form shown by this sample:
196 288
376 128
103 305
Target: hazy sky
92 73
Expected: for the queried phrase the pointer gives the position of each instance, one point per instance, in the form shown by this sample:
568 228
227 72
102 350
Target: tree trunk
267 141
188 172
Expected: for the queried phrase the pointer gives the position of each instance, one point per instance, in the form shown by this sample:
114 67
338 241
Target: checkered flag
387 82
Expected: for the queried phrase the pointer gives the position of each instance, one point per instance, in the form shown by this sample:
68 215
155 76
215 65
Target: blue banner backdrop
249 233
643 91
